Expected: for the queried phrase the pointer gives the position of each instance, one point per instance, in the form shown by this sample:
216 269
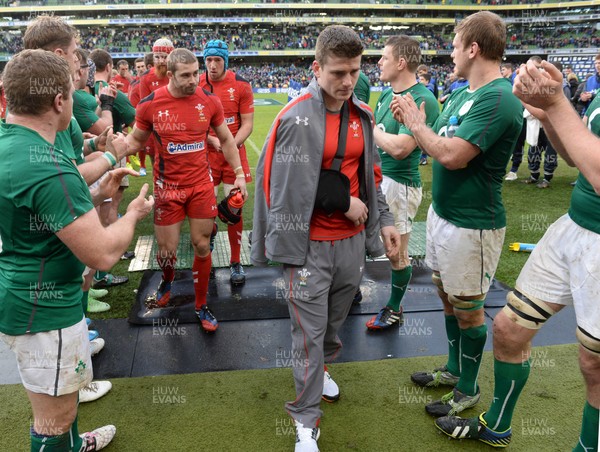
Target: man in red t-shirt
236 96
155 78
123 78
180 116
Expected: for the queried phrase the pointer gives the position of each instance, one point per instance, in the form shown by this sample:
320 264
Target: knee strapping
435 278
530 313
588 341
467 305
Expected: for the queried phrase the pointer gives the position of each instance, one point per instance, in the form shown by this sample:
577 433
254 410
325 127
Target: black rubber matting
169 347
263 295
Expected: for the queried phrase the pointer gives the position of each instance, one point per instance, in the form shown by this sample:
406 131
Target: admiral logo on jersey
183 148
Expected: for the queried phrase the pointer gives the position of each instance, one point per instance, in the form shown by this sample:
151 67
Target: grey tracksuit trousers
320 297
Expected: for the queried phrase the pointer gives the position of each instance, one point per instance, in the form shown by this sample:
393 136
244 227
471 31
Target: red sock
200 274
235 239
142 155
167 265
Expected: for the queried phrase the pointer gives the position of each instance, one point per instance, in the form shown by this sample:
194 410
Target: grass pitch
379 410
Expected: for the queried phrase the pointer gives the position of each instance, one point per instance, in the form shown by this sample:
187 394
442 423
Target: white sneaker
96 345
99 438
306 438
331 391
94 391
511 176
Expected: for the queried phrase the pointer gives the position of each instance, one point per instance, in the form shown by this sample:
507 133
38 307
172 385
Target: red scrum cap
163 45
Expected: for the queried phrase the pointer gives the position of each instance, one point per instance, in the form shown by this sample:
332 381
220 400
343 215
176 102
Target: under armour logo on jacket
299 120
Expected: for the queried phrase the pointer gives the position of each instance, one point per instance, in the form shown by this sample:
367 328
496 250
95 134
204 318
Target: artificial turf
379 409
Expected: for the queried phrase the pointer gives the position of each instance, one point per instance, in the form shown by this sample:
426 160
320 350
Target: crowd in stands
252 37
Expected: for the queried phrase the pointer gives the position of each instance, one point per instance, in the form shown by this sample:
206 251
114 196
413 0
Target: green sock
588 438
57 443
84 300
100 275
472 341
453 334
74 433
510 379
400 280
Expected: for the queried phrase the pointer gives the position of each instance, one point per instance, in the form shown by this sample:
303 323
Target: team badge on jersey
464 109
355 126
231 91
201 116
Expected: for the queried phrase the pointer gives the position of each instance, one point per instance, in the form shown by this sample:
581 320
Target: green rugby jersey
405 171
84 109
41 192
490 118
585 203
70 141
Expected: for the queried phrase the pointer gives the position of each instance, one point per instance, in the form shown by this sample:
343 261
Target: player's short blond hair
180 56
49 33
488 30
406 47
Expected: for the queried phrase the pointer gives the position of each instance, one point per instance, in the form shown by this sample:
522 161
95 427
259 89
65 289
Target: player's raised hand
101 143
358 211
405 111
112 181
539 88
116 145
141 206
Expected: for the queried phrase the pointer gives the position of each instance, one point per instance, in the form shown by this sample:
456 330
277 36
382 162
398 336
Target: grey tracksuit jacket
287 177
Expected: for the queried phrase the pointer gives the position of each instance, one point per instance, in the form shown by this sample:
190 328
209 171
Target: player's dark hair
82 55
488 30
122 63
337 40
149 60
101 59
407 48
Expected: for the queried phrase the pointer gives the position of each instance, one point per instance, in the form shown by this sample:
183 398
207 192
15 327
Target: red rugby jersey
180 126
149 82
125 83
236 96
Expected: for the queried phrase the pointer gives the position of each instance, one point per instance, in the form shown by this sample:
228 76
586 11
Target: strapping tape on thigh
435 277
528 312
588 341
467 305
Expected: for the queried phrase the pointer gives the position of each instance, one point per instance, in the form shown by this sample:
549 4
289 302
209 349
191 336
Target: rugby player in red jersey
236 96
180 116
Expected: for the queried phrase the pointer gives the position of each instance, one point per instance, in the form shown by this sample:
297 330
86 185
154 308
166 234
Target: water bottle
235 201
452 127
